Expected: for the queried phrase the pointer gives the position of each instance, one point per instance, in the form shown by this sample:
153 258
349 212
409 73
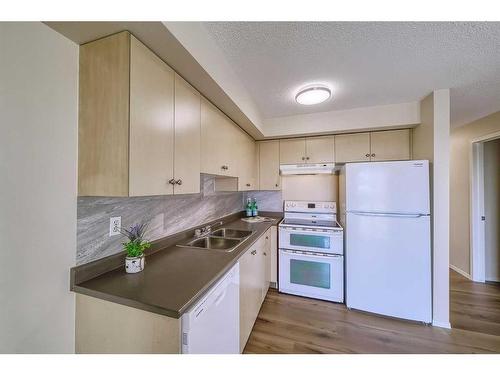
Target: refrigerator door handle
410 216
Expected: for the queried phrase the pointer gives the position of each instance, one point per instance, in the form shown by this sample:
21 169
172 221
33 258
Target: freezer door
388 265
395 187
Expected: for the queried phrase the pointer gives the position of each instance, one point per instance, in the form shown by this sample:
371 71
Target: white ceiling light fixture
311 95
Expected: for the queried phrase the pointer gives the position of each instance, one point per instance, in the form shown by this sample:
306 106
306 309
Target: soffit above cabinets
164 44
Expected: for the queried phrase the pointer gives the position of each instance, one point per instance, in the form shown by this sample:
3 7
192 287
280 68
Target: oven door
312 275
311 240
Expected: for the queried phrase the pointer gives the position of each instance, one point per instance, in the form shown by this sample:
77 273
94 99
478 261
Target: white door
394 187
388 265
312 275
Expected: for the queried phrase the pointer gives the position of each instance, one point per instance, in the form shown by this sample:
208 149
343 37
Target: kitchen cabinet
373 146
151 161
187 144
247 162
307 150
320 149
273 274
269 165
352 147
265 249
254 283
128 142
219 140
292 151
390 145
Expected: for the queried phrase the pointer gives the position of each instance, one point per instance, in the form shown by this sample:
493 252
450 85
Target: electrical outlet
115 223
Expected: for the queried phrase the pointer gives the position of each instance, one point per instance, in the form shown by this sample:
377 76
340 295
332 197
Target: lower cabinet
255 274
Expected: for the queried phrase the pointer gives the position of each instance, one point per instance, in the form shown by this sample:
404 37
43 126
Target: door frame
477 227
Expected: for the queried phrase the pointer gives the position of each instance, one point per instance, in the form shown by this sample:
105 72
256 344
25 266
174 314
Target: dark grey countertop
174 278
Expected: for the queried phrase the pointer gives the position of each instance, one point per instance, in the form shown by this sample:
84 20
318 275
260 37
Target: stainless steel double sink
223 239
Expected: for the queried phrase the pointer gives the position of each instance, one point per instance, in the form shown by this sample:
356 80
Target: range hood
320 168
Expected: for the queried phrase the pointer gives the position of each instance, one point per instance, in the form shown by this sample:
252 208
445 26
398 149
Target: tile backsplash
166 215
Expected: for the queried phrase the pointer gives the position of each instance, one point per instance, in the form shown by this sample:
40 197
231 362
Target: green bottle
248 208
255 211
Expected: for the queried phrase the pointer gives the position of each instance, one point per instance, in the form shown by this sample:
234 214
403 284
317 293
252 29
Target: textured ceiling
366 63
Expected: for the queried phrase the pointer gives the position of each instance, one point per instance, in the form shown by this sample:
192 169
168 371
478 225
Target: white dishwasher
212 326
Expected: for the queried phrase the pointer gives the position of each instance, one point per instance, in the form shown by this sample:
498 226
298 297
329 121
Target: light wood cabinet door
292 151
103 117
250 293
269 165
187 146
320 150
218 134
274 256
390 145
266 255
211 133
151 123
352 147
247 165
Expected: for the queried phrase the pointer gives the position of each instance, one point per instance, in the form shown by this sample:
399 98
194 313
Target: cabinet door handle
178 182
277 185
267 238
367 155
172 181
303 158
248 185
264 254
307 158
373 155
253 252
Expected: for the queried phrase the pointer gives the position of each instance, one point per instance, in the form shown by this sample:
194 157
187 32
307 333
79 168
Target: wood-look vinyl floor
291 324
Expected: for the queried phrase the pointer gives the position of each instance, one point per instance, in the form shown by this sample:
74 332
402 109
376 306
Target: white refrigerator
388 238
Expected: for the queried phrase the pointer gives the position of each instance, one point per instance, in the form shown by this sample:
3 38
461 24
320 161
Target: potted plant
134 261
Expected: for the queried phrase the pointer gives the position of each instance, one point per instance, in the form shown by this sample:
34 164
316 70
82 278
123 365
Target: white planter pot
134 265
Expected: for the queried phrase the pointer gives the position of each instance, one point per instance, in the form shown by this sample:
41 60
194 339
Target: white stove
311 255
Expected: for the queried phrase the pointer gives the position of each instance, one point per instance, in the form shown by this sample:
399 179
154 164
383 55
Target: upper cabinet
352 147
130 142
247 162
217 134
269 165
292 151
187 143
307 150
390 145
374 146
320 149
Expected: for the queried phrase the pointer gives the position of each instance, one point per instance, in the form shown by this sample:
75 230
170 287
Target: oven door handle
309 255
308 231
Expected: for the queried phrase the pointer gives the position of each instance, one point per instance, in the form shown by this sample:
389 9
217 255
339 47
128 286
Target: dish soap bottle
255 211
248 208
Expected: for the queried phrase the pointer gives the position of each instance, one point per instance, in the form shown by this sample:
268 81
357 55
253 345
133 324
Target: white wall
310 187
358 119
461 141
431 140
492 209
38 155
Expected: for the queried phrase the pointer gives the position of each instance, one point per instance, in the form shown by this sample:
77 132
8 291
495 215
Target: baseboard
461 272
446 325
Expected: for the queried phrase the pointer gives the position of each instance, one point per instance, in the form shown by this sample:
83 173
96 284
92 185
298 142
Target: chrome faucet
202 231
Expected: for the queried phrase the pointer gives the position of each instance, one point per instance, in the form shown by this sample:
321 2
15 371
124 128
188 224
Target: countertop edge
178 313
